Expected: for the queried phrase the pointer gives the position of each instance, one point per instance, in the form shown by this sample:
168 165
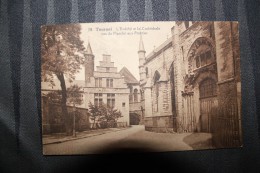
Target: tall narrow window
146 71
204 58
135 95
131 94
107 83
111 100
98 100
142 94
156 91
98 82
111 83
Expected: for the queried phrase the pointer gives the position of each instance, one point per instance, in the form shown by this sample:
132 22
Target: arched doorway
134 118
208 103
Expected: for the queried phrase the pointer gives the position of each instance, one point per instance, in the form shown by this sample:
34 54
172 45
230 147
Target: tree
106 115
112 116
95 113
61 53
74 95
75 98
54 97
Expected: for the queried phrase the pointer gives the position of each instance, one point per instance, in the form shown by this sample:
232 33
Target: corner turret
141 55
89 63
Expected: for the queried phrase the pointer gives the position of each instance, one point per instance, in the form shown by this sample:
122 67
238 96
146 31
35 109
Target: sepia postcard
140 87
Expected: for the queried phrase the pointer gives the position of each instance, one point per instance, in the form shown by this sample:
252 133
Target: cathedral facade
191 82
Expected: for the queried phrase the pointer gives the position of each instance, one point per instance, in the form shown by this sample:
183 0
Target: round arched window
203 56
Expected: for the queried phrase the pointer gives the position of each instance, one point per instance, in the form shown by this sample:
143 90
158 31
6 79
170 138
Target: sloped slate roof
141 44
89 50
129 78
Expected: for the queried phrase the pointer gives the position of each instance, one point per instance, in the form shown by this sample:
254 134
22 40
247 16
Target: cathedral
191 82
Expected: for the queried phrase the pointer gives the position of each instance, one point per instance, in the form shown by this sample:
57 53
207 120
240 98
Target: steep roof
159 49
141 44
129 78
89 50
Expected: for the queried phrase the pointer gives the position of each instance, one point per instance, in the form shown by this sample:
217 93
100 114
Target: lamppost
142 116
74 117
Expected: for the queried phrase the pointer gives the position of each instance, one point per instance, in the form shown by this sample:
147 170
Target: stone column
178 65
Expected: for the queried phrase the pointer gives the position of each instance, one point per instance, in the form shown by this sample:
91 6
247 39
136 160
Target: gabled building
105 85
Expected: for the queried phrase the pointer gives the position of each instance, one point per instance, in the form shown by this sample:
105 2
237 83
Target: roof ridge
130 75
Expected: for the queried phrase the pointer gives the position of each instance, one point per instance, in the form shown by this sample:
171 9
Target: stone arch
201 41
170 68
203 76
156 76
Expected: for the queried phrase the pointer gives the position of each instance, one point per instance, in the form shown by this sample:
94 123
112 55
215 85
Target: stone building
105 85
135 107
155 86
191 83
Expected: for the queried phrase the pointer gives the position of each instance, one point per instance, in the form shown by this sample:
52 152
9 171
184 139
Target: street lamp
74 120
142 116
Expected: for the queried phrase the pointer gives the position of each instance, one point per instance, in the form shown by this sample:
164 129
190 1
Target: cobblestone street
134 138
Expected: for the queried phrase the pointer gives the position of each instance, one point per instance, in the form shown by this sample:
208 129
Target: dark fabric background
20 106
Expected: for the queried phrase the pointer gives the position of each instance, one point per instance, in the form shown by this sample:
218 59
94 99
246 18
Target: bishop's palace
190 83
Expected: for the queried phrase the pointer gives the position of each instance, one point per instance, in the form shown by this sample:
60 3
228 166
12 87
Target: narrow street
133 139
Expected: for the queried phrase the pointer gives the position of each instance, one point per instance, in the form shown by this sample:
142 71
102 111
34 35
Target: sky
121 41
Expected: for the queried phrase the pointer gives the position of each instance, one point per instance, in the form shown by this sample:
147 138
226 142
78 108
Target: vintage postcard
140 86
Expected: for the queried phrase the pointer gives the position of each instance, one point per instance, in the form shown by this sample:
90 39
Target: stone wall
53 121
160 124
229 85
